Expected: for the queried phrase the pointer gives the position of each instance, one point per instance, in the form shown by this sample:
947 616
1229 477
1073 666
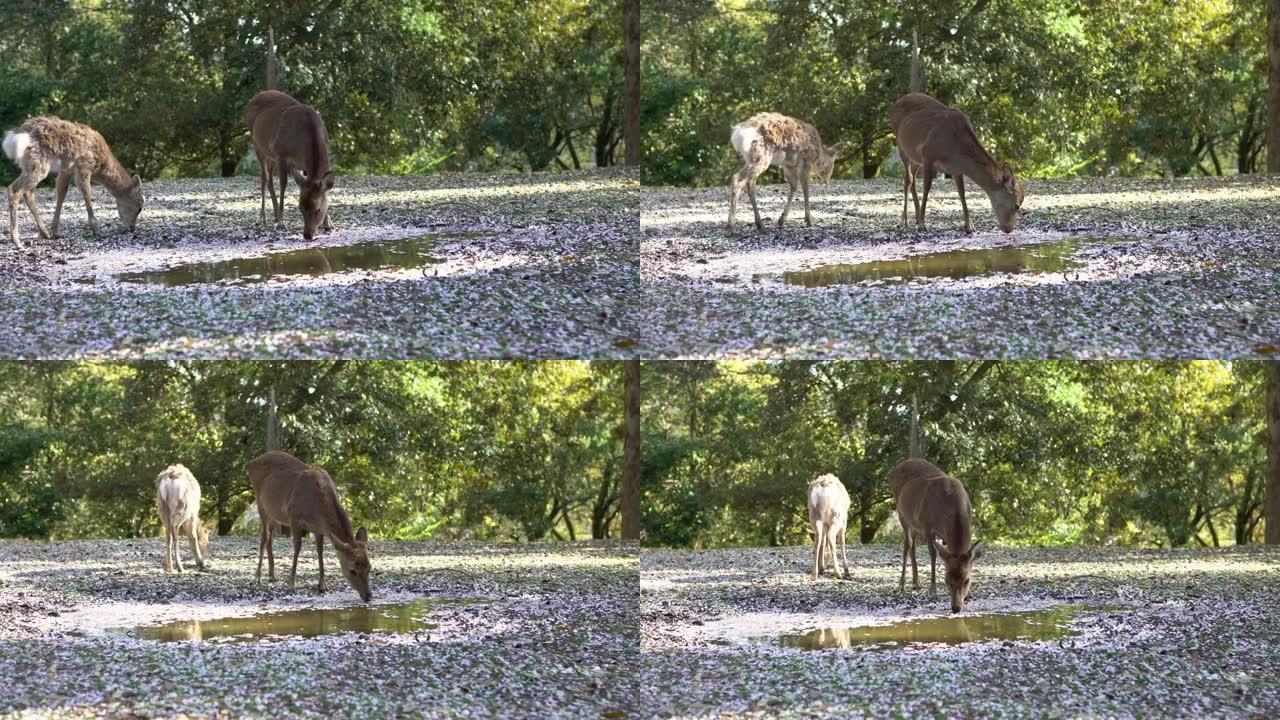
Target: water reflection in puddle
308 622
400 254
954 264
1049 624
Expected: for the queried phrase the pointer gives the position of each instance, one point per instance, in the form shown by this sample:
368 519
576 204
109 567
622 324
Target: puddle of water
308 622
1049 624
954 264
405 253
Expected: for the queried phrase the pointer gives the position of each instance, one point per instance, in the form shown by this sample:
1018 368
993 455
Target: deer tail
15 145
917 69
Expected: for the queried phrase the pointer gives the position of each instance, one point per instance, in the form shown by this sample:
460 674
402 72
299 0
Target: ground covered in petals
528 266
1164 269
530 630
1174 634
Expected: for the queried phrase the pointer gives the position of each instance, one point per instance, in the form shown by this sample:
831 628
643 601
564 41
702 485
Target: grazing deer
178 500
76 152
828 517
289 138
934 505
773 139
933 138
290 492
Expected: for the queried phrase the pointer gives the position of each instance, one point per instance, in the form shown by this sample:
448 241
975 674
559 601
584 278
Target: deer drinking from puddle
289 138
933 138
773 139
934 505
828 518
178 500
75 152
289 492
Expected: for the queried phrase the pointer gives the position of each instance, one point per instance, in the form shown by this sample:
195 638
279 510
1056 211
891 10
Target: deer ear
1006 177
137 181
299 177
362 536
975 552
942 550
328 180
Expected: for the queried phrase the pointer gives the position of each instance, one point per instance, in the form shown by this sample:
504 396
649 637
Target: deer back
290 492
930 501
286 131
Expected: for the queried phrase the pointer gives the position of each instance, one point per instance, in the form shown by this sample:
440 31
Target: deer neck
982 169
113 176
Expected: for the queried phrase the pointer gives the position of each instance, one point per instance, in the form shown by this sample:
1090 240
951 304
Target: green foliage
1053 453
1054 88
403 85
418 450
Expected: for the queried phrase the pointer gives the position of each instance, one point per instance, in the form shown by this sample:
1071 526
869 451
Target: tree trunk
273 440
273 67
605 131
631 451
1273 117
631 103
1271 512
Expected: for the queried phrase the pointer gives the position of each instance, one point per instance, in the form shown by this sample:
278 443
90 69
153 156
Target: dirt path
1161 634
528 266
1126 268
546 631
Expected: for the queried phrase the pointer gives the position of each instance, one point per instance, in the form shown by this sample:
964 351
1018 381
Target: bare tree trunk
273 422
1271 511
1273 111
273 67
631 103
631 451
915 444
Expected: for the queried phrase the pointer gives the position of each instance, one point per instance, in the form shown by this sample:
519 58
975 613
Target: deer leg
327 224
320 558
271 553
11 194
30 197
195 546
844 553
906 547
82 182
924 201
968 226
791 183
264 182
735 187
933 568
808 219
174 542
915 572
817 549
908 181
61 184
297 549
168 547
262 550
284 182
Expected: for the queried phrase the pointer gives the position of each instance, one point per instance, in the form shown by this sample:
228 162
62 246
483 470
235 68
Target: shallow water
954 264
405 253
1049 624
307 622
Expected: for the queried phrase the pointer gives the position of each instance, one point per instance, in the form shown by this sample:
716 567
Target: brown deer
934 505
76 152
933 138
290 492
773 139
289 138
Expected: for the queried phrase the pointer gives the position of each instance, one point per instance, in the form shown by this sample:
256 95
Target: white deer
828 517
774 139
178 499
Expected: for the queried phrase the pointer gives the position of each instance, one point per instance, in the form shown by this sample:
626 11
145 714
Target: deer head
129 203
354 561
203 531
313 200
827 162
1006 200
958 565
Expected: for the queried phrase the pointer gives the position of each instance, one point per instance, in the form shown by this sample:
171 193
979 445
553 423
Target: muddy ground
1173 634
529 266
1180 268
546 631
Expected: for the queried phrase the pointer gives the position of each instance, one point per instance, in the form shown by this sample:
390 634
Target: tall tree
631 452
1271 511
1273 115
631 117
